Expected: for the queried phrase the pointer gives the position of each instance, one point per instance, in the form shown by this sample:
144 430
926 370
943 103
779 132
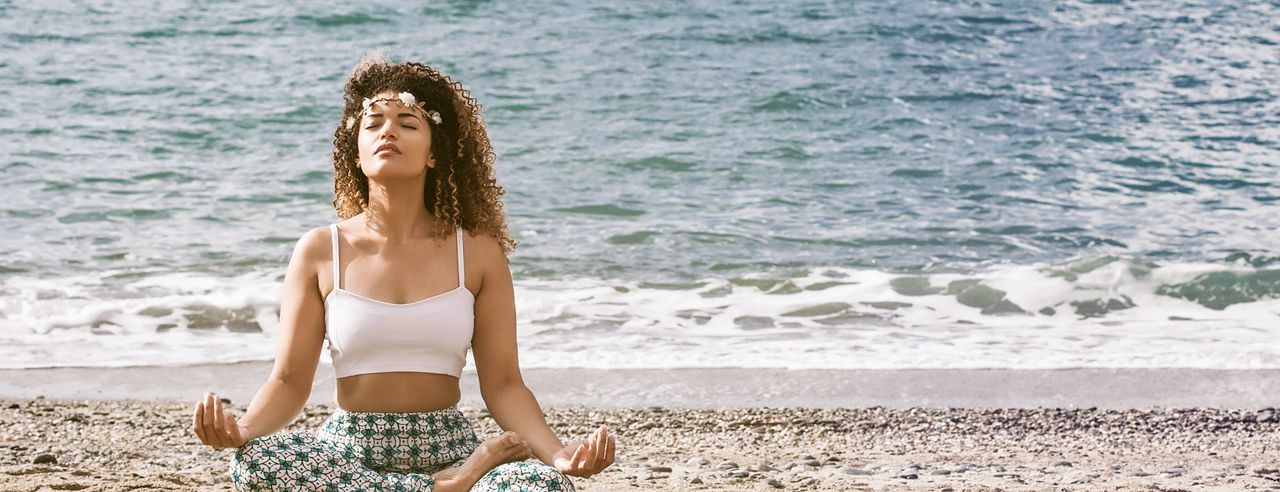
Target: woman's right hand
217 428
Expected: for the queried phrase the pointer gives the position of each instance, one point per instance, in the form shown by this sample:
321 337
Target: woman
401 293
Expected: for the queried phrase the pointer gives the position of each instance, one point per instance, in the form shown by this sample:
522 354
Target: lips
385 147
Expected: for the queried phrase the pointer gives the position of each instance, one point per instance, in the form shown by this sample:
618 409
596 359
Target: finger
207 421
199 422
233 426
608 455
597 450
219 421
586 453
589 455
577 456
601 441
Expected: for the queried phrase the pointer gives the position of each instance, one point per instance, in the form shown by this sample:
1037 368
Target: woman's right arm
300 338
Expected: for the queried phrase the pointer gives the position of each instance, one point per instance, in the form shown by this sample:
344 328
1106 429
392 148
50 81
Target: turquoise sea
742 183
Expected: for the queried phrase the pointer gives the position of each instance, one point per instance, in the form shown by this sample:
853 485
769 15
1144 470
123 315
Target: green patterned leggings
366 451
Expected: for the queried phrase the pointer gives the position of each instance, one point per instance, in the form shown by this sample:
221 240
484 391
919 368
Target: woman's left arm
493 346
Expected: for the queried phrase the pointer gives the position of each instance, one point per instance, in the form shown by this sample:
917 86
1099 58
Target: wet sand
717 387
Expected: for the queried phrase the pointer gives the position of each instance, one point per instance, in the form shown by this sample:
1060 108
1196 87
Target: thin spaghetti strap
333 229
462 279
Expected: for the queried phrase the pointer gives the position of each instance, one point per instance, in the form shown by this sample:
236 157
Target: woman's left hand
584 458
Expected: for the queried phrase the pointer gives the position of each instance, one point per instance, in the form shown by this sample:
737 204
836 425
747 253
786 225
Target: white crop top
367 336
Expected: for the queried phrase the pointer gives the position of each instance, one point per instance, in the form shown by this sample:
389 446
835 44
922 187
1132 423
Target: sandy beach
134 445
693 438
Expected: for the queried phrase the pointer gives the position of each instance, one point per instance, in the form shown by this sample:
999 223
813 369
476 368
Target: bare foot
492 452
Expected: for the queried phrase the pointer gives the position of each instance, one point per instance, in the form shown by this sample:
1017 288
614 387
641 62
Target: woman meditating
413 276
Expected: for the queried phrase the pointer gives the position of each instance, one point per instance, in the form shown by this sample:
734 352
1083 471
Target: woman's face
395 142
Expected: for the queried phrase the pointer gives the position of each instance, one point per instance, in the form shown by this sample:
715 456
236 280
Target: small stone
813 462
773 482
699 462
1062 463
660 469
728 465
940 471
909 475
739 474
14 406
856 471
45 458
695 480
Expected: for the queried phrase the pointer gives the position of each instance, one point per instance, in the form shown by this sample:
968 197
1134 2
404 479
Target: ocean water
900 184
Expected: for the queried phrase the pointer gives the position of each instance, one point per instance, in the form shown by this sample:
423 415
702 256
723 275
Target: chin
392 169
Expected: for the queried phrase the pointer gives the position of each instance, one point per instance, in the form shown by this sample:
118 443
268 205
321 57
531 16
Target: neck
396 210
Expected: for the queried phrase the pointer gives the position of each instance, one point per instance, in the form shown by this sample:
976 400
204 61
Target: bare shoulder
313 247
310 254
311 251
483 251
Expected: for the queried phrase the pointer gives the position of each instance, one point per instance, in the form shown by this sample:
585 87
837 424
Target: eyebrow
379 115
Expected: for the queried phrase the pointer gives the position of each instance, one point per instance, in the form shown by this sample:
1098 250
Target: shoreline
716 388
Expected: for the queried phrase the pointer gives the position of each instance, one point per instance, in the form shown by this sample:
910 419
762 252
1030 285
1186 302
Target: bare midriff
397 392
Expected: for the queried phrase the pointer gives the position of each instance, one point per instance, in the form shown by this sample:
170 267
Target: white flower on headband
406 99
433 116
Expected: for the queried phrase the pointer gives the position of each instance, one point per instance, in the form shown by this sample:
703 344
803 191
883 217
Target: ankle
445 474
459 478
448 484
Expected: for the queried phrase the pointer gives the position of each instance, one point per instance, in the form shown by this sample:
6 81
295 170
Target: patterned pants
367 451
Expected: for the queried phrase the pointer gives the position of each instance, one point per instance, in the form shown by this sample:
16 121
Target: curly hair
461 190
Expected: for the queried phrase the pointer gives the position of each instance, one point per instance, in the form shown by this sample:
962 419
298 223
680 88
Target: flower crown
405 99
